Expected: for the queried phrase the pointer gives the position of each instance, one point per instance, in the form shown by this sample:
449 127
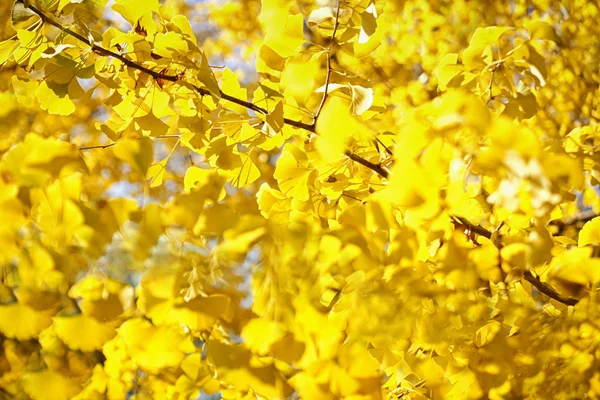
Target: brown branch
99 146
366 163
547 290
202 91
527 275
328 76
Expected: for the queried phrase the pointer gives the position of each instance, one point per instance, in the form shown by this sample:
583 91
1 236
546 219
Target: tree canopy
276 199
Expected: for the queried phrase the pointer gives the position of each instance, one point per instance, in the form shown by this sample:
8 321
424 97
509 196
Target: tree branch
527 275
366 163
202 91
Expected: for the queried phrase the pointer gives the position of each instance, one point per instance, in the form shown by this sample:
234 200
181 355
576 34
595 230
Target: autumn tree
358 199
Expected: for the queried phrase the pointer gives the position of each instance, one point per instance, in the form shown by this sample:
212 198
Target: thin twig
99 146
387 149
366 163
328 75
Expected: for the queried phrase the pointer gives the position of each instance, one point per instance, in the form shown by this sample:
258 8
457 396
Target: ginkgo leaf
154 348
590 233
82 332
23 89
185 28
132 10
542 30
231 86
575 266
55 98
286 40
169 44
268 59
473 56
260 334
21 13
34 160
246 174
368 23
335 127
21 322
275 118
292 173
50 385
361 97
138 153
233 366
486 334
156 172
447 70
241 243
7 49
201 313
56 50
206 76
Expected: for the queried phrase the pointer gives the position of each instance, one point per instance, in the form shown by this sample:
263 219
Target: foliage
371 199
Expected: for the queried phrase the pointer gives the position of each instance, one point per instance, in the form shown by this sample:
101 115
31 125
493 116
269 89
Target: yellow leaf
575 266
170 44
21 322
84 333
132 10
241 243
486 334
233 366
447 70
260 334
206 76
247 173
473 56
55 98
590 233
287 40
201 313
292 172
184 27
368 23
231 87
362 99
137 153
275 117
7 49
335 127
50 385
23 89
154 348
542 30
268 60
156 173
